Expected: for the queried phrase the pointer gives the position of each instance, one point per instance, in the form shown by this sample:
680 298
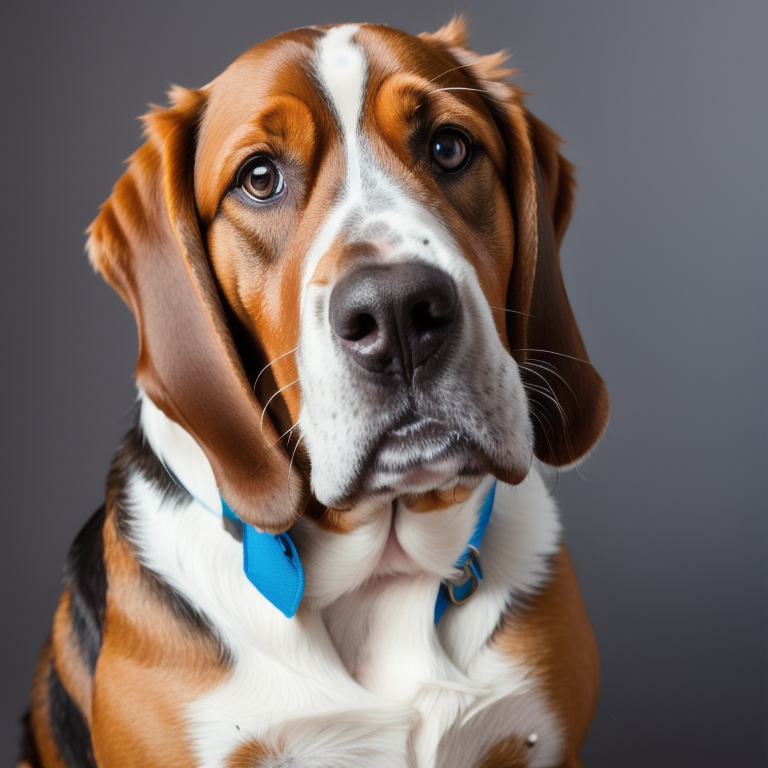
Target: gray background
664 109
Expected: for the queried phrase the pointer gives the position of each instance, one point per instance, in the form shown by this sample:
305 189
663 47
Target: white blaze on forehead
342 69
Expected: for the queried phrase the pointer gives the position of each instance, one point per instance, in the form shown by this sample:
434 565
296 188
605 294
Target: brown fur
507 753
74 674
554 637
150 666
40 715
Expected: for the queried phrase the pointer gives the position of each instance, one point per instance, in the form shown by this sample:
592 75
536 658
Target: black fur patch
68 726
136 456
86 576
29 753
233 527
182 609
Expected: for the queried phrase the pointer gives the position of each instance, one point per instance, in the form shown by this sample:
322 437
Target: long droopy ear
146 241
569 401
568 398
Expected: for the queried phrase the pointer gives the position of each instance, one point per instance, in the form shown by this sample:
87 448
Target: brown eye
449 150
262 181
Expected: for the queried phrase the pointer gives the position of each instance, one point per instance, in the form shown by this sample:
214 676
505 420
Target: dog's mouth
422 454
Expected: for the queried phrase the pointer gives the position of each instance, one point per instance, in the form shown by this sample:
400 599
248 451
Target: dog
327 541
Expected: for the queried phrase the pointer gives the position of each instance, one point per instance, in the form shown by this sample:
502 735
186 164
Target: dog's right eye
261 180
450 150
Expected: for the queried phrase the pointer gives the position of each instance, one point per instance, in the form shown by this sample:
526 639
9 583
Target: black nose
392 318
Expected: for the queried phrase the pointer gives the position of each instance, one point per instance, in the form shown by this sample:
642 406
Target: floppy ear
146 241
568 398
569 401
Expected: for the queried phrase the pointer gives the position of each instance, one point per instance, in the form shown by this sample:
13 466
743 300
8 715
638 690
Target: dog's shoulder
118 633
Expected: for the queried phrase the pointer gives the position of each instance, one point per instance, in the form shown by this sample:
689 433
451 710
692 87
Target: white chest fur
361 675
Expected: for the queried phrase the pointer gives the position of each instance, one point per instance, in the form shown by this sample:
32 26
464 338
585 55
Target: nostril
421 317
359 327
427 316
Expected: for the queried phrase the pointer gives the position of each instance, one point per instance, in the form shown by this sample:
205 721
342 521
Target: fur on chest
363 662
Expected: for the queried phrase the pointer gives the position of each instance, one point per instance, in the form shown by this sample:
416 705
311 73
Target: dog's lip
419 429
421 440
414 455
419 452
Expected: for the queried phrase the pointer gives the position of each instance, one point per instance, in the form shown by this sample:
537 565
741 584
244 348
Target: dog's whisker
511 311
542 363
559 354
563 417
550 397
529 364
285 354
452 69
559 475
459 88
530 386
271 448
289 431
549 367
529 369
537 408
282 389
290 465
541 415
538 417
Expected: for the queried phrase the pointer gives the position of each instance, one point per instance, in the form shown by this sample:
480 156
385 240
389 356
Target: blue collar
458 590
271 562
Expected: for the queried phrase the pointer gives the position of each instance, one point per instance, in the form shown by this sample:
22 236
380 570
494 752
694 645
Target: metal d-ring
470 571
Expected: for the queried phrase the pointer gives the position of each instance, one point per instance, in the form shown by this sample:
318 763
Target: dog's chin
419 477
418 458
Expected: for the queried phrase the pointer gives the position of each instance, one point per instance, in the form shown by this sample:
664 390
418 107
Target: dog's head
342 254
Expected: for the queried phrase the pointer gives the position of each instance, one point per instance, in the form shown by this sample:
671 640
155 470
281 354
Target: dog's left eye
449 150
261 180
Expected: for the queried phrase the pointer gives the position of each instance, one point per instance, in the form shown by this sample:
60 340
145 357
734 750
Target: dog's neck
370 593
385 539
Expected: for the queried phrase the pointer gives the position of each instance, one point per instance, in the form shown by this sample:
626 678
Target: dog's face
342 256
362 222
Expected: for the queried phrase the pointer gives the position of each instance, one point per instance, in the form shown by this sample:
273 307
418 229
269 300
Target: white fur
342 69
360 675
179 452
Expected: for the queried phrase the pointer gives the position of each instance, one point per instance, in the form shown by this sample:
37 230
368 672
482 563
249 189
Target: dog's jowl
327 542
